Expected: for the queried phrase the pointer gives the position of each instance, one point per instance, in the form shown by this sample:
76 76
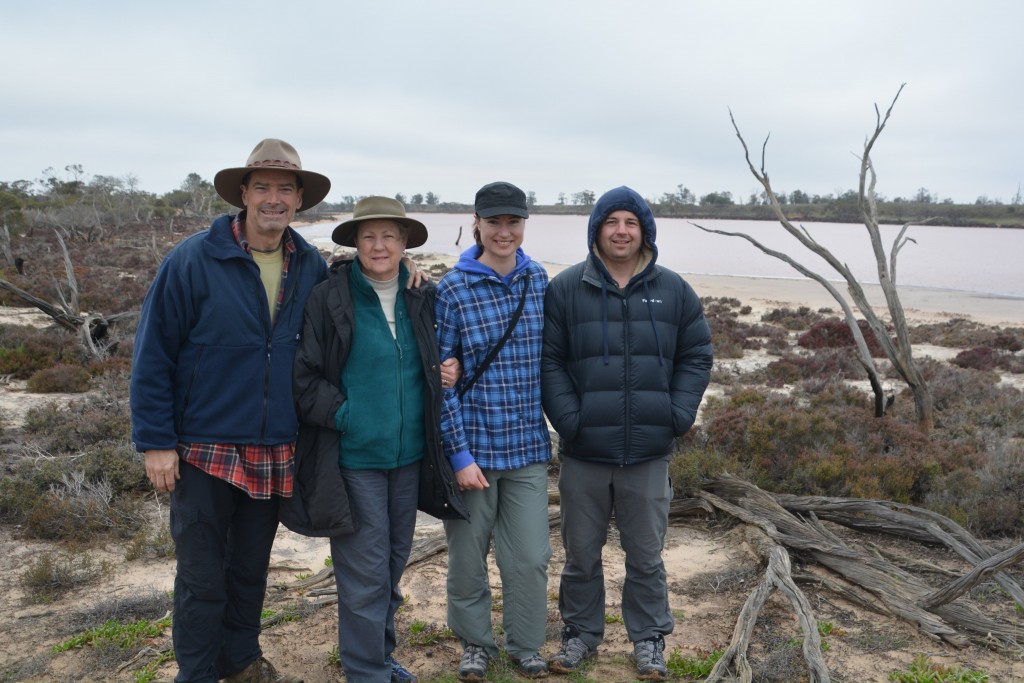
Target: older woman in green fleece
367 386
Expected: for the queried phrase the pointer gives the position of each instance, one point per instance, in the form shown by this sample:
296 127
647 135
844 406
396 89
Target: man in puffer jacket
626 360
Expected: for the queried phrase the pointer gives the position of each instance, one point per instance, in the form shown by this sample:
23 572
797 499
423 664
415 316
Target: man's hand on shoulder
417 277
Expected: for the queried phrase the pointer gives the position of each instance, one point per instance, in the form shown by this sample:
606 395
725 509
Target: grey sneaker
533 666
473 665
650 659
399 674
572 653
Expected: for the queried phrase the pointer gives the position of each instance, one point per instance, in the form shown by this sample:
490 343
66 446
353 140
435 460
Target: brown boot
261 671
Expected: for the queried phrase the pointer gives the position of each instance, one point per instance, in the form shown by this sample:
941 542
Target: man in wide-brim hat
212 407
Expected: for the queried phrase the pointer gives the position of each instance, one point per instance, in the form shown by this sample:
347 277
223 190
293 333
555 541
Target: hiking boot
650 659
399 674
473 665
533 666
572 653
261 671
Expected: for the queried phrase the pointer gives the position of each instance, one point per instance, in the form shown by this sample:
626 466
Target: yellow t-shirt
270 264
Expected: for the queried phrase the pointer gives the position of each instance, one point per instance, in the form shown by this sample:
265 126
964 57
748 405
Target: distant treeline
77 202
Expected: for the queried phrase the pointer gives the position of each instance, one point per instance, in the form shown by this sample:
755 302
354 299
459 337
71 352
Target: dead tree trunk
92 328
899 353
5 241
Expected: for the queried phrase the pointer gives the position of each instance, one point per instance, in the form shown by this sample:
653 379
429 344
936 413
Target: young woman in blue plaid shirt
496 437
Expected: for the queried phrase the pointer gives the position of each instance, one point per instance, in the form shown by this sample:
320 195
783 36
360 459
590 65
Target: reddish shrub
828 365
60 379
978 358
25 350
1008 341
834 333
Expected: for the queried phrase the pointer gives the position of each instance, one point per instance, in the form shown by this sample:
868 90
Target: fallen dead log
956 588
59 315
866 577
904 521
778 576
891 589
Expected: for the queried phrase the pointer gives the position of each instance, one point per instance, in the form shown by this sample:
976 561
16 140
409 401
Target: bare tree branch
899 352
863 353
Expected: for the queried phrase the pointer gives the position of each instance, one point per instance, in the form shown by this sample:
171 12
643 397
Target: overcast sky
554 96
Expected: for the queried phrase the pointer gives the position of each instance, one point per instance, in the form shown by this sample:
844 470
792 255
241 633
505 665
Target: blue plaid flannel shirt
499 423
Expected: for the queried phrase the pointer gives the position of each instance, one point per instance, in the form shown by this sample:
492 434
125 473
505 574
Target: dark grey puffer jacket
623 372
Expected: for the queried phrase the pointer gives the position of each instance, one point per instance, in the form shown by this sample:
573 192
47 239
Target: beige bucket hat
369 208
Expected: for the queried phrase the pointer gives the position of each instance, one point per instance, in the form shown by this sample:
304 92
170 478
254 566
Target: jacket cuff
341 418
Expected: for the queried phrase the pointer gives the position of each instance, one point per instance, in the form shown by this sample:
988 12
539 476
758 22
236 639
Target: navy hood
623 199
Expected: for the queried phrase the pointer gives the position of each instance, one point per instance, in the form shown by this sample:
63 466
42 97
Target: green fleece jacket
381 420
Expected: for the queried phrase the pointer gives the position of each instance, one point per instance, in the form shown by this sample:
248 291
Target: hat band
278 163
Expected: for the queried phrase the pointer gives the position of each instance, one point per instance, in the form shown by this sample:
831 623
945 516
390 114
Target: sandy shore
920 304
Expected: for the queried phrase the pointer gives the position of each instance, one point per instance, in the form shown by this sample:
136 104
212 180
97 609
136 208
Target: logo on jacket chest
653 301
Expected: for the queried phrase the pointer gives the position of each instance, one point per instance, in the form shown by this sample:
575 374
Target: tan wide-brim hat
369 208
272 154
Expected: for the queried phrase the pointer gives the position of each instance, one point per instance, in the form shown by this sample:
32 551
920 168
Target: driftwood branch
72 301
876 581
955 589
92 328
905 521
778 575
59 315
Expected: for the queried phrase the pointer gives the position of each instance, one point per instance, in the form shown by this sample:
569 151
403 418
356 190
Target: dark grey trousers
639 495
368 566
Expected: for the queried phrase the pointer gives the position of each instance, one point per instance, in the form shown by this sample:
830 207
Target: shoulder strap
492 354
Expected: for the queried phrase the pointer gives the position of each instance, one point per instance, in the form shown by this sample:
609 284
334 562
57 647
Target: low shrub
971 404
82 513
51 575
834 333
73 498
24 350
829 444
924 670
1010 341
69 429
988 499
60 379
824 366
150 542
793 320
988 359
963 333
731 337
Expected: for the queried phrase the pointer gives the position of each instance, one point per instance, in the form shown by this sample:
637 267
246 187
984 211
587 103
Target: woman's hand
471 478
